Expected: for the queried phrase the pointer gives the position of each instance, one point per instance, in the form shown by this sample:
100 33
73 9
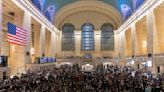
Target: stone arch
106 10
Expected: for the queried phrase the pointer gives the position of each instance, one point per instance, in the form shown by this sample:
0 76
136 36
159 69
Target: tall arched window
87 38
107 37
68 39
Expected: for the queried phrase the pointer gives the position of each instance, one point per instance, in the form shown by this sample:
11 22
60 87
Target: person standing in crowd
73 79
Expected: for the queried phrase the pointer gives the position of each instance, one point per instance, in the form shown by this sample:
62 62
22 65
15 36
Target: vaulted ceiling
115 3
51 7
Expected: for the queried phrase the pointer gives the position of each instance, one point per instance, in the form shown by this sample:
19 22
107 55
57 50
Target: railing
159 55
77 60
38 67
17 70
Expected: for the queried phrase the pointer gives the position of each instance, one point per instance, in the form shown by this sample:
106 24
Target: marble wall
146 39
39 38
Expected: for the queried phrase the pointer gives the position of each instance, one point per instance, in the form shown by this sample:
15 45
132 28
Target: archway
106 10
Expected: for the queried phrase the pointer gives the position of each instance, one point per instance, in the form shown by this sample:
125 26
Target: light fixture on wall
132 62
144 44
149 63
149 60
32 51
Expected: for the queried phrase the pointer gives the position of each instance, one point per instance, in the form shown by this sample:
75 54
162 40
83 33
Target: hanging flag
16 35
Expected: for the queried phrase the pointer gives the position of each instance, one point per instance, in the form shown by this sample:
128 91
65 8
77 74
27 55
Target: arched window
87 37
107 37
68 39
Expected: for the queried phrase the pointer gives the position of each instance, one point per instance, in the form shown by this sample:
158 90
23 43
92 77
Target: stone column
133 32
42 40
150 21
1 25
53 46
97 40
37 30
20 18
77 43
122 47
133 43
55 43
116 51
150 27
115 44
119 46
18 57
58 43
4 47
27 27
47 43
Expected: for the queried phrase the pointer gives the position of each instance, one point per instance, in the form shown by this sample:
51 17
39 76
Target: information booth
87 57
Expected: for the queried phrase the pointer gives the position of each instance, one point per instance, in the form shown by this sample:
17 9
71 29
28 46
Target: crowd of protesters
73 79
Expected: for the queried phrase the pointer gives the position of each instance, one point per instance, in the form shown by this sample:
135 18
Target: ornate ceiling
51 8
95 12
115 3
118 4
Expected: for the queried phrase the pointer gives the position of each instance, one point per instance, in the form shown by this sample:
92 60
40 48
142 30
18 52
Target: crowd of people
73 79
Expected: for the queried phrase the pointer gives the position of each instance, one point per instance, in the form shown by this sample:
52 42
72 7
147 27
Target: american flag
16 35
